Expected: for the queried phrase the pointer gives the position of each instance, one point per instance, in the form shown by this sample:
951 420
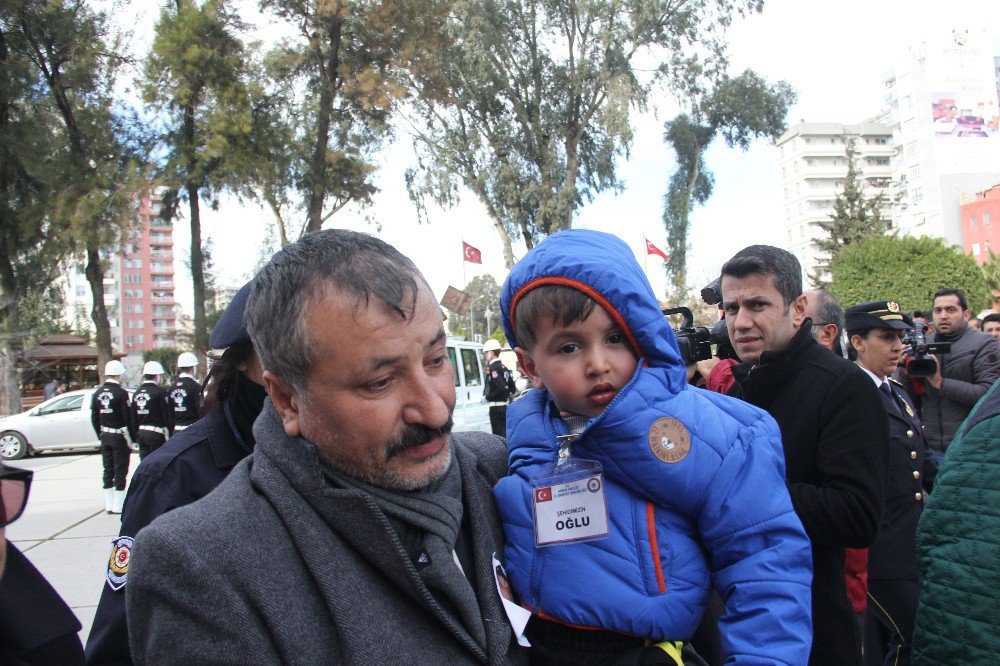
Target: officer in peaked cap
151 413
875 330
109 417
186 468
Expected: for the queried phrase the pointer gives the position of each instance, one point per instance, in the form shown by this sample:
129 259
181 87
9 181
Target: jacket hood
603 267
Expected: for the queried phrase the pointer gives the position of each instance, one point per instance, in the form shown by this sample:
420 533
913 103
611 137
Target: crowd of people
818 503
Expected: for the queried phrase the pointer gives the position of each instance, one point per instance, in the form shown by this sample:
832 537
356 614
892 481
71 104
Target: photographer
962 376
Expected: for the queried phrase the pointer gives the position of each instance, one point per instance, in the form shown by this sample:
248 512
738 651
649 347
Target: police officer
875 330
185 469
109 417
499 387
185 393
151 412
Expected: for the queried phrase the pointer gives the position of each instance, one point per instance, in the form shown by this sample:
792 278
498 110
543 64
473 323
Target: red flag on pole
472 255
652 249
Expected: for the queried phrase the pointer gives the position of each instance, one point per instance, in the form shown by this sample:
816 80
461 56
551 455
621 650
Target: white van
468 369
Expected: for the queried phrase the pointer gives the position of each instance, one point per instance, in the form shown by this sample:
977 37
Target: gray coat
276 566
967 373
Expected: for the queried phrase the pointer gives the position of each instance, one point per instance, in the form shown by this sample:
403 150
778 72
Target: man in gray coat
361 530
963 375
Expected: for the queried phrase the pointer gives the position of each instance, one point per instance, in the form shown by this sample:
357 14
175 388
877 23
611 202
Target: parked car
468 368
61 423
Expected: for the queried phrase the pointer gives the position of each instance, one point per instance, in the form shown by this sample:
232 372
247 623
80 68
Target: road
64 530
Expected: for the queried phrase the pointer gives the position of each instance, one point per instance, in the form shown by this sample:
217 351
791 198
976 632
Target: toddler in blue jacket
631 494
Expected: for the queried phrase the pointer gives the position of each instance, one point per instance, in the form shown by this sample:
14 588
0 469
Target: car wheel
13 445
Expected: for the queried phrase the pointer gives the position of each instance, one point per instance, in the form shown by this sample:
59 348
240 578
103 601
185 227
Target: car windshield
69 403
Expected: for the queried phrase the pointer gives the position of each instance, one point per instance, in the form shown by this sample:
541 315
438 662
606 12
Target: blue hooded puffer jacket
721 516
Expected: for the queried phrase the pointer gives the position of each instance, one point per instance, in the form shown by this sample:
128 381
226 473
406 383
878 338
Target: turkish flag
471 254
652 249
543 494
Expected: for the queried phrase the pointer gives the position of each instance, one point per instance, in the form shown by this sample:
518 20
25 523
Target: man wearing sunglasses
25 595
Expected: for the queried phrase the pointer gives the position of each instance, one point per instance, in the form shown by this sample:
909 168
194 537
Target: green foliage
991 273
529 103
908 270
167 356
484 313
855 217
740 109
331 92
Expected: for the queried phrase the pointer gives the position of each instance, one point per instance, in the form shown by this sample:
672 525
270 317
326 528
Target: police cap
231 327
876 314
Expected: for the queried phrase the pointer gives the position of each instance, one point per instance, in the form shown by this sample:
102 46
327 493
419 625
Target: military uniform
893 573
151 417
498 391
185 400
109 417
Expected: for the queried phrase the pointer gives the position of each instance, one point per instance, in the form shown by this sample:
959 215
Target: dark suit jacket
834 431
277 566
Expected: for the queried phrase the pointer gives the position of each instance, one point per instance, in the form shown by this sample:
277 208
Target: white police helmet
152 368
187 360
492 345
114 369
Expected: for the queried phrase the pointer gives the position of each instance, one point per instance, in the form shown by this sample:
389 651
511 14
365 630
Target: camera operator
962 376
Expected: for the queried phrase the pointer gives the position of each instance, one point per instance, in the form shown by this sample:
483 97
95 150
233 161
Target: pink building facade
981 224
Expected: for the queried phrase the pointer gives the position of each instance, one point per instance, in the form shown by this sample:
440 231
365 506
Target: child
632 494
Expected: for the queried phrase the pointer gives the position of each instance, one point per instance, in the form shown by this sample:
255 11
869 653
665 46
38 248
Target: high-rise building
138 284
981 224
813 167
942 99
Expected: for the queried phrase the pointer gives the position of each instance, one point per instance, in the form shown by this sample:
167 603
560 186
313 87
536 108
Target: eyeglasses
14 485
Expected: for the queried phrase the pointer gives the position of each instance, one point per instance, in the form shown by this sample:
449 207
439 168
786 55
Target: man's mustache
415 435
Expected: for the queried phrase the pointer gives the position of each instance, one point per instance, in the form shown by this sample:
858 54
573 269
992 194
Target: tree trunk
197 274
98 313
10 339
317 165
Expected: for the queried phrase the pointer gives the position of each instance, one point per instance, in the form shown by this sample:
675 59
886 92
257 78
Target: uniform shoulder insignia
121 555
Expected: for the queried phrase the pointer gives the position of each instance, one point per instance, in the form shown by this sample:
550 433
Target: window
789 234
470 363
140 339
911 148
67 404
129 340
81 291
784 172
972 222
454 366
986 219
918 195
975 249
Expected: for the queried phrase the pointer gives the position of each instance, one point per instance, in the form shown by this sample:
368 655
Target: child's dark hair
564 305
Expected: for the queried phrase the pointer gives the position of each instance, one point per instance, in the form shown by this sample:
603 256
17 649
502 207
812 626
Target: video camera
919 361
695 342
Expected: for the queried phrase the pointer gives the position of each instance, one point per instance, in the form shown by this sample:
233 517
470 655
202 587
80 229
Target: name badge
569 511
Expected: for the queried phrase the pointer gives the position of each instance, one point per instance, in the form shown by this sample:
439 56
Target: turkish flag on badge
543 494
471 254
652 249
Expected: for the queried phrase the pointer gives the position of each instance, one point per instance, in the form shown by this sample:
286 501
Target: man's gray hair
828 310
357 264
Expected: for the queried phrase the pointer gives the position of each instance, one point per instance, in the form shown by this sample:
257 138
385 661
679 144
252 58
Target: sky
833 55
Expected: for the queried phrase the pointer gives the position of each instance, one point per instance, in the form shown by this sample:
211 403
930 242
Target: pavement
64 530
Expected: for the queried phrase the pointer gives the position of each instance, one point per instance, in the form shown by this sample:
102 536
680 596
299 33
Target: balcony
162 284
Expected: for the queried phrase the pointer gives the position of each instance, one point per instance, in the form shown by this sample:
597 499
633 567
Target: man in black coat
834 429
151 413
185 393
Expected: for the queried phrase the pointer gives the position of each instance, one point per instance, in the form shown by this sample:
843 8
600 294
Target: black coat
186 400
835 431
188 467
109 407
894 553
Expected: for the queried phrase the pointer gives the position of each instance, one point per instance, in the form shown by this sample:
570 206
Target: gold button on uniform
909 433
916 474
918 496
913 455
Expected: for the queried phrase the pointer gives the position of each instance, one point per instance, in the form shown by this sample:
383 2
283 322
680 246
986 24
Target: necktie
884 386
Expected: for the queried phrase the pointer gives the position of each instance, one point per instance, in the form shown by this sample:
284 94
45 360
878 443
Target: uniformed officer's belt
178 428
114 431
498 404
156 429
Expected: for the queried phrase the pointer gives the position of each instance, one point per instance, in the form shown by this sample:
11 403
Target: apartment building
813 167
981 224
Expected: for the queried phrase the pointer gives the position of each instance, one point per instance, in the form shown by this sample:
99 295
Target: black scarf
247 400
428 522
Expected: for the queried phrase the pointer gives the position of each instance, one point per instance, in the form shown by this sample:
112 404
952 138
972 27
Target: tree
908 270
991 273
335 89
196 79
484 313
529 103
855 217
69 166
741 109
